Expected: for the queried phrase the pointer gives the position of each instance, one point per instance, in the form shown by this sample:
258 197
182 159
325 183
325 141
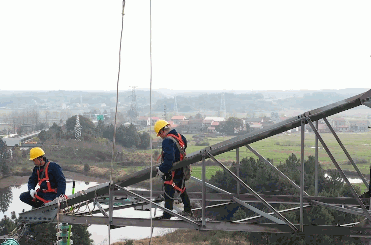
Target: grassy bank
181 237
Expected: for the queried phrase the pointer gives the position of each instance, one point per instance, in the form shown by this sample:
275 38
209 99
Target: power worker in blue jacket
49 178
173 150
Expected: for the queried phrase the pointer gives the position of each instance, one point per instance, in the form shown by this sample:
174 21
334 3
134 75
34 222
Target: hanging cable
150 111
117 99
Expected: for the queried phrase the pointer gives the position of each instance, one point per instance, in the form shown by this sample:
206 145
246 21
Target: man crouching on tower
173 150
49 177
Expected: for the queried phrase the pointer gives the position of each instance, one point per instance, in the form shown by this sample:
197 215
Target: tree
144 140
232 126
6 197
87 126
4 156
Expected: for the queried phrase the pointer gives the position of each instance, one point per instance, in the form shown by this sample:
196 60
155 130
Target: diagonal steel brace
346 152
254 193
160 207
275 168
252 208
338 167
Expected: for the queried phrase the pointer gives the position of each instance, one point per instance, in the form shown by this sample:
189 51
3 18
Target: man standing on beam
173 150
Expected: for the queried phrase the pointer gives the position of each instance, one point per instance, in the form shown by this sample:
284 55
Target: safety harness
44 177
181 146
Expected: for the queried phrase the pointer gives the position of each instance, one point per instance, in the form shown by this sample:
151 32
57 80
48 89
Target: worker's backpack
180 144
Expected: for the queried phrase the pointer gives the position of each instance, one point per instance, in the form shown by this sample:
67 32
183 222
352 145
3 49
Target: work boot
162 217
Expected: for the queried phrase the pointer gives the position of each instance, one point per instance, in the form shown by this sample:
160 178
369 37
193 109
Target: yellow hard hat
36 152
159 125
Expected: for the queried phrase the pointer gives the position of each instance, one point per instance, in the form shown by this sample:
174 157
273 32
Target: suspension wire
117 99
150 111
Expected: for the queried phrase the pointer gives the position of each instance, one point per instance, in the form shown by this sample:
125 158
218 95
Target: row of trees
262 178
127 136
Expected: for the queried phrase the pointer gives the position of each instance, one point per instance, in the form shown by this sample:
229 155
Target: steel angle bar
215 225
341 172
275 168
280 211
302 131
131 205
100 208
316 163
162 208
254 193
252 208
346 152
203 219
288 199
213 206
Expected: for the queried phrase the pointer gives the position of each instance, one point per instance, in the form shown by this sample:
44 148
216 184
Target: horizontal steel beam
288 199
216 225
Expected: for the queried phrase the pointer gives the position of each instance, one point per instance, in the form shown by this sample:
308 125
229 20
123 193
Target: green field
279 147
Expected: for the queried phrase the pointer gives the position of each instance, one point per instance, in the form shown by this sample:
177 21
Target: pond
9 201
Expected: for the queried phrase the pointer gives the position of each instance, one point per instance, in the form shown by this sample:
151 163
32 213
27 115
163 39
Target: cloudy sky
196 44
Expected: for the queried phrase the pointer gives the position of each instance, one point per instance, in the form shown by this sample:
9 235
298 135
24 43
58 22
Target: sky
196 45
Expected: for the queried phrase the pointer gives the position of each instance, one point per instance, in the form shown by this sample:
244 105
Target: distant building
178 119
208 121
11 142
255 126
359 125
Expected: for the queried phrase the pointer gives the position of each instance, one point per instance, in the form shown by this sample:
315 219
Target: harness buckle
173 184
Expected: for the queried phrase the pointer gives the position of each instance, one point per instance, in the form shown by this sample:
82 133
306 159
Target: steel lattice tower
223 109
78 129
175 106
133 113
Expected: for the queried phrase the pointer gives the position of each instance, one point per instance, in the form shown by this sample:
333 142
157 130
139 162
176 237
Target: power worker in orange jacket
173 150
49 178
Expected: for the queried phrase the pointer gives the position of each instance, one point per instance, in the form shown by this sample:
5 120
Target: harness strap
46 178
41 199
177 139
171 182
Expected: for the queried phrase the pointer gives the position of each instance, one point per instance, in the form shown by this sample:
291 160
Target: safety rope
150 113
117 99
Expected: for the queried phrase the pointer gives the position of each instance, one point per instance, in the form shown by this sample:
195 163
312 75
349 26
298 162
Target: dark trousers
27 198
36 203
169 195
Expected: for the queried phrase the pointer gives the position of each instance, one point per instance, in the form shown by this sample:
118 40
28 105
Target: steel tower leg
203 190
302 131
316 163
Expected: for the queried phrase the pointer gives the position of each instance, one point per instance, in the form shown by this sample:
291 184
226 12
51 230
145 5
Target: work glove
32 193
159 173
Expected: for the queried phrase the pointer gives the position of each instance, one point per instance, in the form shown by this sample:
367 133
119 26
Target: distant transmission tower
78 129
165 115
133 113
223 109
175 106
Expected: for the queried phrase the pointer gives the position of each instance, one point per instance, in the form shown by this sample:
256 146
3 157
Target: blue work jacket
171 154
56 179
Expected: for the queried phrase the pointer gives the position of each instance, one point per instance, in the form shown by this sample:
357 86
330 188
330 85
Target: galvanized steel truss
53 211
